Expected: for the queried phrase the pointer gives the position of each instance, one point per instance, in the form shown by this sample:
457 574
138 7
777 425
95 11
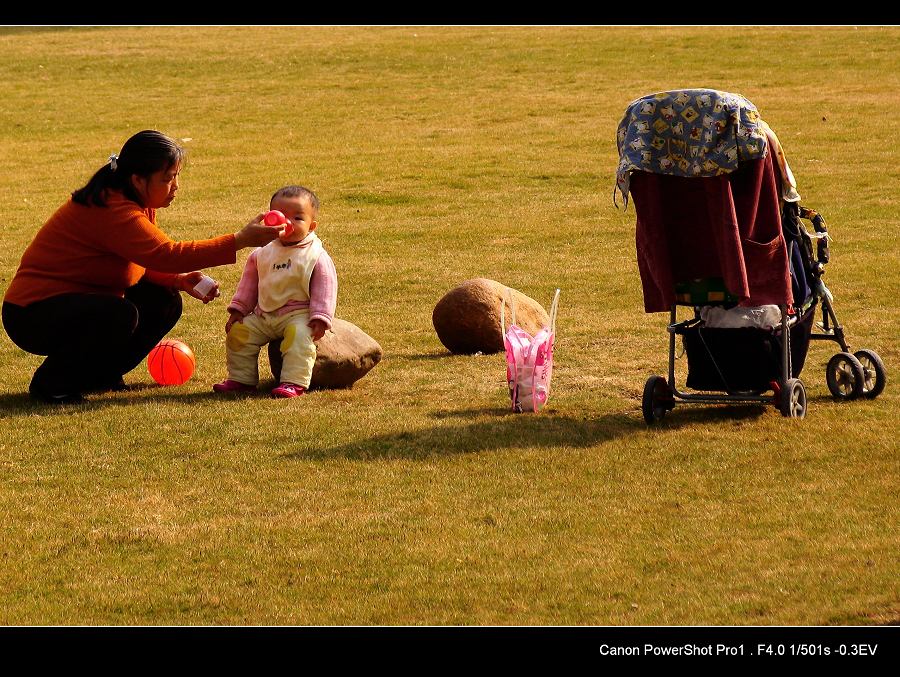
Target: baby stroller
719 228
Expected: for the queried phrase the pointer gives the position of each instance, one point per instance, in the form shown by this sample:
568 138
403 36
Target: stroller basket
745 359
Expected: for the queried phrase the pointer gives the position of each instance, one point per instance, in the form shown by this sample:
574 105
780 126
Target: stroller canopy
708 177
688 132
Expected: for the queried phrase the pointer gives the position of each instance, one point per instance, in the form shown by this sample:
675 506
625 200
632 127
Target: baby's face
300 214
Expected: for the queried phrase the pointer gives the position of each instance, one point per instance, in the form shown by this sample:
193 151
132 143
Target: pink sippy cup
275 218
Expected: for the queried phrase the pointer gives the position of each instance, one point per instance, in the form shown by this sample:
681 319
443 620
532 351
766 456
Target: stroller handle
818 222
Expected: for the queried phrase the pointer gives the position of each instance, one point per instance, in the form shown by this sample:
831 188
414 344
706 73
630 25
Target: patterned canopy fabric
689 133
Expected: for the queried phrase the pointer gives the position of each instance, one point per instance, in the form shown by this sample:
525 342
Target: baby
288 291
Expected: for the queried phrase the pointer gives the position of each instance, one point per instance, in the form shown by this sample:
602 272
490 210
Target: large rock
467 318
343 356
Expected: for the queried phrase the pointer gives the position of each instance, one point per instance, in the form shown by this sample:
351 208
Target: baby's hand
318 329
236 316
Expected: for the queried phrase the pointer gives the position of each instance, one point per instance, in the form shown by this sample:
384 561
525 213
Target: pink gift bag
529 360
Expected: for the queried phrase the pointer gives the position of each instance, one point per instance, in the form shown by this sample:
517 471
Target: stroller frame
848 375
660 395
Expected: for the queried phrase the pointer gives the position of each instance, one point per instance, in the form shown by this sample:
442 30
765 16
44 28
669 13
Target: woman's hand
187 282
256 234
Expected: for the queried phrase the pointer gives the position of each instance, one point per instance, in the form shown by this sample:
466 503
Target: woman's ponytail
144 154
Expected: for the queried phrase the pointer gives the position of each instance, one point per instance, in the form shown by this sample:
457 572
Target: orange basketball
171 362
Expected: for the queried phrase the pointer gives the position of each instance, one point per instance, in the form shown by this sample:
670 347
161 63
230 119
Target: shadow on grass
19 405
461 431
501 430
483 430
690 414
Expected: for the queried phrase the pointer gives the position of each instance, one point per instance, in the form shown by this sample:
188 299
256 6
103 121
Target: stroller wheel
657 399
845 376
874 374
793 399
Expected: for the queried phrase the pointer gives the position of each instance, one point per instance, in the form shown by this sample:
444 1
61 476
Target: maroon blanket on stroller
726 226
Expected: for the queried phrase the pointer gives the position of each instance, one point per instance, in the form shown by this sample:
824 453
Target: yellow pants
246 338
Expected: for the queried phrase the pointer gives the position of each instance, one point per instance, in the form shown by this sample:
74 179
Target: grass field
439 155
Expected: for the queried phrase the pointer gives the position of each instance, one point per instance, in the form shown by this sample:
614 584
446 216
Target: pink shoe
230 386
288 390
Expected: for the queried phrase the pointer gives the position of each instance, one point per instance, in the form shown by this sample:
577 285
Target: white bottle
205 285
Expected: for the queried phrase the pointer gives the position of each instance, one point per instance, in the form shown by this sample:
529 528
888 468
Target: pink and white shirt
287 278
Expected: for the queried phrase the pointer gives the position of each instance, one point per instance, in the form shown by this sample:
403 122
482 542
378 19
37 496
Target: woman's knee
156 305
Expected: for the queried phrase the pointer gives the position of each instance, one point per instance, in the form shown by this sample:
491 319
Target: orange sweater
106 250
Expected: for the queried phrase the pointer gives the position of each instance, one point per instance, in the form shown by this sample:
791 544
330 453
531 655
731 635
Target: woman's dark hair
144 154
